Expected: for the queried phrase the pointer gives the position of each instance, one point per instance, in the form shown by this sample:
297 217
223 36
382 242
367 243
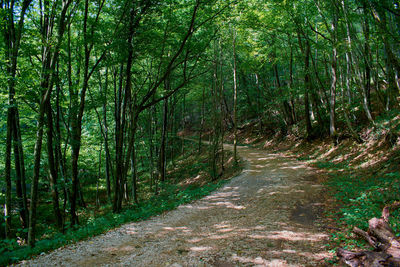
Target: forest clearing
239 133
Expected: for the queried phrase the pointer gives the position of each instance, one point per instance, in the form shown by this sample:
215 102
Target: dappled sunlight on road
265 216
295 236
200 249
249 221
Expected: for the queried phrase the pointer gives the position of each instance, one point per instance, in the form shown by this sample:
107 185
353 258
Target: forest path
265 216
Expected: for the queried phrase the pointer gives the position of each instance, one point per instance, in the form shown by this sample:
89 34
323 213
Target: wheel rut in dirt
266 216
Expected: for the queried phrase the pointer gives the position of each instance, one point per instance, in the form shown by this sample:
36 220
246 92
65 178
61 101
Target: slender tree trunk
59 159
35 179
134 171
183 124
285 105
202 120
77 117
163 158
98 177
350 58
106 145
346 109
221 107
307 89
12 33
172 130
235 157
291 81
151 149
332 97
367 57
8 208
74 167
52 167
119 124
20 171
215 138
391 60
49 62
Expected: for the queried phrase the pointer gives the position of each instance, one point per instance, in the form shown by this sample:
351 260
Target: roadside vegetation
189 179
97 98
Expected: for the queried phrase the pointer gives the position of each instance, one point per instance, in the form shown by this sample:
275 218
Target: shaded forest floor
268 215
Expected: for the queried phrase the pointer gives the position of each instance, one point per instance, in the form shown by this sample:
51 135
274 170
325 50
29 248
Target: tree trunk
74 167
52 167
134 171
202 120
235 157
285 105
291 81
98 177
183 124
106 145
35 178
350 58
12 33
151 149
221 108
119 125
346 107
332 95
163 158
60 161
307 89
20 171
49 62
214 143
367 58
7 210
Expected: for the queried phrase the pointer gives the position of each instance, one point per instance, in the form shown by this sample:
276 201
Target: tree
13 28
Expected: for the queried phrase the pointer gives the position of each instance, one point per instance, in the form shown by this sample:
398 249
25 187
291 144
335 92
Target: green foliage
361 198
171 196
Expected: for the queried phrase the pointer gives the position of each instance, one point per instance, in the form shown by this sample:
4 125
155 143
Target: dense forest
101 99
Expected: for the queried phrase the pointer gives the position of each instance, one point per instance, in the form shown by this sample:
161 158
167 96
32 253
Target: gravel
266 216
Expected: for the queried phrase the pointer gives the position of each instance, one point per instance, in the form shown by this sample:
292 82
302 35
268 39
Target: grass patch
363 198
171 197
188 180
359 197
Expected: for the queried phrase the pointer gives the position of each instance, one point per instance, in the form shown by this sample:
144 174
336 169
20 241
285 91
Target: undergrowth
359 197
171 197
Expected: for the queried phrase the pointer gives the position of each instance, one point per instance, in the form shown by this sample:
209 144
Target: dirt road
266 216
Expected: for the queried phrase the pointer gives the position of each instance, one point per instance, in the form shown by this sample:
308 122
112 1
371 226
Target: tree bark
163 158
202 120
332 95
8 208
287 111
20 172
307 89
235 137
134 172
35 179
52 167
106 145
